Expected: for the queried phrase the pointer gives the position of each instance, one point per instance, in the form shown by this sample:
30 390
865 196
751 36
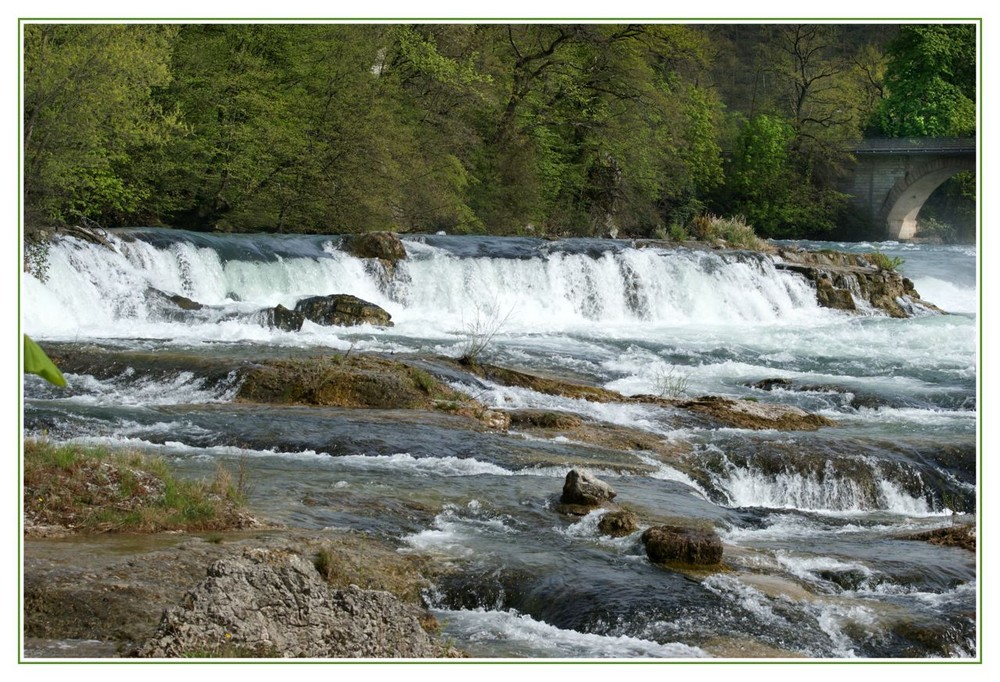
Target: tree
90 118
931 82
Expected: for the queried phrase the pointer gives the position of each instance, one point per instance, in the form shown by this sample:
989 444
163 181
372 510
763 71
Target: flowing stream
815 524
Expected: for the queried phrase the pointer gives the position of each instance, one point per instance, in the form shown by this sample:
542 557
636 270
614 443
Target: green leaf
37 362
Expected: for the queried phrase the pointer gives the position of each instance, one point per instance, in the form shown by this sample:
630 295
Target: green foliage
880 260
678 234
931 82
37 362
774 184
90 122
578 129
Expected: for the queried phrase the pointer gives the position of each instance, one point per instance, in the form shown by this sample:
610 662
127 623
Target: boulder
583 488
618 523
677 545
171 306
342 310
385 246
285 319
274 604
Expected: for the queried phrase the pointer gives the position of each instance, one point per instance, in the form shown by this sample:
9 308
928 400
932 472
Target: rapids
814 524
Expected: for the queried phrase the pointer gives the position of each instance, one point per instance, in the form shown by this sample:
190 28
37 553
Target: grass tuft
735 231
100 490
883 261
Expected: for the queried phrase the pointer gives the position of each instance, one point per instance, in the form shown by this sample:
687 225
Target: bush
735 231
884 262
479 332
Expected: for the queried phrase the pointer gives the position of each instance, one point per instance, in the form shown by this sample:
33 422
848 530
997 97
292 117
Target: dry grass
99 490
734 231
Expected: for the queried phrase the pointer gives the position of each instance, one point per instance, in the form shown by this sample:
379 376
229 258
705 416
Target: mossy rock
335 381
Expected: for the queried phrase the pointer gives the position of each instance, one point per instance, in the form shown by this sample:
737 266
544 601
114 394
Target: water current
815 524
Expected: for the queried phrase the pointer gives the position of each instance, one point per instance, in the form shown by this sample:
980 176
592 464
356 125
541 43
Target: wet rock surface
385 246
583 488
959 535
675 544
747 414
342 310
618 523
841 279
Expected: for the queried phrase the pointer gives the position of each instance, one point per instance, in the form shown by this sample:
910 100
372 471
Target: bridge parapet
912 145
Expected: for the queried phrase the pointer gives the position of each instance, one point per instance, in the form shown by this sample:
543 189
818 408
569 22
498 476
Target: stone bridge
894 177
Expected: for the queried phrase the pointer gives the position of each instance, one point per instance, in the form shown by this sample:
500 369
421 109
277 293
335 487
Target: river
814 523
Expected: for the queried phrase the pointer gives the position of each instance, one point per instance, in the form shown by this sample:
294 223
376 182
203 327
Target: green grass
98 489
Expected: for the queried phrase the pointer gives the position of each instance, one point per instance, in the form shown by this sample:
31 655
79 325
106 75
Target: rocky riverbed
790 478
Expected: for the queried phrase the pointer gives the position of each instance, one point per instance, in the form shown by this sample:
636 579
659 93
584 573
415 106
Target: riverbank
114 544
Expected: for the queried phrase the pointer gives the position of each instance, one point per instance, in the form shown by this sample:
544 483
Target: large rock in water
342 310
385 246
281 317
274 604
674 544
583 488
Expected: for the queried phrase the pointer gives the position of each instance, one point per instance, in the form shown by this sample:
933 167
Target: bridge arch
910 191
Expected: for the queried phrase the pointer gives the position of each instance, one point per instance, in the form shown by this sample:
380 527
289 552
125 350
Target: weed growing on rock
883 261
480 331
670 383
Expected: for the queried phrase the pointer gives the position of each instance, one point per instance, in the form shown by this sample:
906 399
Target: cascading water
815 524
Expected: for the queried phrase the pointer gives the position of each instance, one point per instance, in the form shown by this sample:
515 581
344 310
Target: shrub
480 332
880 260
735 231
670 383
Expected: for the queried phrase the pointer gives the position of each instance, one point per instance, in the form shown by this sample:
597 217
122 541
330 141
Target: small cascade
818 483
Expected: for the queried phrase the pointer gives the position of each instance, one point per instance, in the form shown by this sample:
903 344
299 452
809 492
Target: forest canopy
571 129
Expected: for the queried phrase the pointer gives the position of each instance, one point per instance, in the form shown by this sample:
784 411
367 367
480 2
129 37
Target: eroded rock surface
747 414
275 604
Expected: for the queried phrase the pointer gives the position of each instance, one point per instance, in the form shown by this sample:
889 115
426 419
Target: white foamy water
633 320
541 640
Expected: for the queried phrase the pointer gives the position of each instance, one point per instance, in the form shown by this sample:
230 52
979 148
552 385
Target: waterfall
91 290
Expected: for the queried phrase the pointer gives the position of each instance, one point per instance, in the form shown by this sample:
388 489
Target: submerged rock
746 414
274 604
618 523
342 310
674 544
